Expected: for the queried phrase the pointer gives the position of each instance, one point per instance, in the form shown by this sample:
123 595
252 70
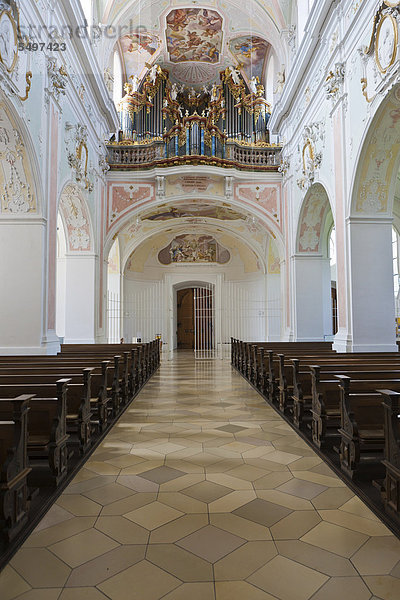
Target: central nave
202 491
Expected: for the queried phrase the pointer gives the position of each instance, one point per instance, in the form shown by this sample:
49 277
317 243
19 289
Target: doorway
185 319
195 319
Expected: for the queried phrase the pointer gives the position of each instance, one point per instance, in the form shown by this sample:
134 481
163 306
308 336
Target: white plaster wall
22 286
80 299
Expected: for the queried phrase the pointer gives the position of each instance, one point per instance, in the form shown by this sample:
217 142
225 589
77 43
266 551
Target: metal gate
204 322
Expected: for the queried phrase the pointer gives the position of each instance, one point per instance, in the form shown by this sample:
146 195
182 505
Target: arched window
332 260
395 251
269 84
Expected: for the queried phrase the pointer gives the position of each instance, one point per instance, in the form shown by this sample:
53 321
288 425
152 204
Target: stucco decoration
379 160
16 192
266 196
122 198
312 219
76 219
386 43
311 153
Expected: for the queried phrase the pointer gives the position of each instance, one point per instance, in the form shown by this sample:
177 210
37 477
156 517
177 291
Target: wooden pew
391 462
101 379
303 384
362 424
326 399
47 427
14 467
78 410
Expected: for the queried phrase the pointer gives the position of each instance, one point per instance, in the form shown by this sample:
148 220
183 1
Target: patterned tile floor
202 492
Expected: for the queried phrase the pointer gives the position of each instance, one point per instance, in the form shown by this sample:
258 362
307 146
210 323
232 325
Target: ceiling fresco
138 49
250 53
194 34
189 209
192 248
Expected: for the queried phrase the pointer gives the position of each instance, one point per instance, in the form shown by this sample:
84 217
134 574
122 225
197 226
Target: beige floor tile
122 530
88 593
153 515
178 529
109 493
234 483
211 543
305 463
345 588
181 502
107 565
54 516
54 534
317 478
83 547
295 525
356 523
247 472
180 563
239 590
126 460
244 561
89 484
142 578
177 485
144 465
355 506
194 591
332 498
284 458
287 500
231 502
385 587
128 504
287 579
335 539
41 594
78 505
248 530
102 468
11 584
272 480
316 558
40 568
378 556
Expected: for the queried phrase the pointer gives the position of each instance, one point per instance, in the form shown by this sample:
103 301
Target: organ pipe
192 122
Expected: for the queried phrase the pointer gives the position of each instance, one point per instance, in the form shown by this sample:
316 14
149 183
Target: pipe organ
189 122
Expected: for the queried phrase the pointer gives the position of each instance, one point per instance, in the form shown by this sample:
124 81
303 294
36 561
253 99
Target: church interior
199 300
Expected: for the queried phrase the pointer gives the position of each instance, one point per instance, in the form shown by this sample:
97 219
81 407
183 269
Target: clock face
8 41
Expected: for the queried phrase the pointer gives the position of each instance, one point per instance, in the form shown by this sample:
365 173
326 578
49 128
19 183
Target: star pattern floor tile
201 491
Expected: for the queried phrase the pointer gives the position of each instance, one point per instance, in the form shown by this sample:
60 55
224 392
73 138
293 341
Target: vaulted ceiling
195 43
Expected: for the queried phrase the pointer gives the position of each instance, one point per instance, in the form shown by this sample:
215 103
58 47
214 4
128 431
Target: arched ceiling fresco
195 43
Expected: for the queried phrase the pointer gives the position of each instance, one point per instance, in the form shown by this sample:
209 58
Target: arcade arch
311 267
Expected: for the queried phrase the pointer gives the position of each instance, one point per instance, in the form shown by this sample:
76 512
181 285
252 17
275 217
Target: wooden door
185 319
